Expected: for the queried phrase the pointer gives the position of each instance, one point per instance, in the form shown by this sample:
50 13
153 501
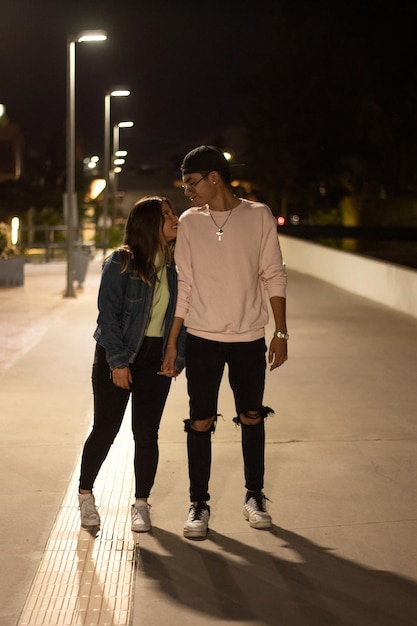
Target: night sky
181 59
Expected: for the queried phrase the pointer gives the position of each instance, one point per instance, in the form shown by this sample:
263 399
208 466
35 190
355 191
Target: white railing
386 283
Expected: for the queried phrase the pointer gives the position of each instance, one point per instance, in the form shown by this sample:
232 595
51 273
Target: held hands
278 352
122 377
168 364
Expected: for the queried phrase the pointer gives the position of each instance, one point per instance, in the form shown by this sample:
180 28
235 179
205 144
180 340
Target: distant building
133 187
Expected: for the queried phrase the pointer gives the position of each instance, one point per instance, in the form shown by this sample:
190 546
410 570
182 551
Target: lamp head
91 35
120 92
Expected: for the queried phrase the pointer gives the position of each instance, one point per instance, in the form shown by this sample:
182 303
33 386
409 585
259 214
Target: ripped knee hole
200 426
251 418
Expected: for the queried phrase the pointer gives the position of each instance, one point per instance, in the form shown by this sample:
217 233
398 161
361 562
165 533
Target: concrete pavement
45 409
341 468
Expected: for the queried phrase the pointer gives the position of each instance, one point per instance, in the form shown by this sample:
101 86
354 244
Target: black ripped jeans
148 393
205 365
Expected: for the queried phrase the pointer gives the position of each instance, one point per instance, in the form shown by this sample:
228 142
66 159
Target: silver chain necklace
219 231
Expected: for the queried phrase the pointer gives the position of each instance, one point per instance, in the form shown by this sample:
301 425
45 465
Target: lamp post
107 151
116 144
96 35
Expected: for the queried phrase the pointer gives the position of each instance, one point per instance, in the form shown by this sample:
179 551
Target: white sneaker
197 521
141 520
255 511
88 510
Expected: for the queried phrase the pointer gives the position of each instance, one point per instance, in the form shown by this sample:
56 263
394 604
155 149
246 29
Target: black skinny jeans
149 393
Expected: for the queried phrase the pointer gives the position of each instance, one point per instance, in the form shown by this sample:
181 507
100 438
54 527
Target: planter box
12 271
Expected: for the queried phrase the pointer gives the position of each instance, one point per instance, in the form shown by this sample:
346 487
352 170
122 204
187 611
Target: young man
227 254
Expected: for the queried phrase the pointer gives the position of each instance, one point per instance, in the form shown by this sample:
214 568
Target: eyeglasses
191 186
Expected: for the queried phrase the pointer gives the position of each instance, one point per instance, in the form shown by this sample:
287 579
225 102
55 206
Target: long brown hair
142 245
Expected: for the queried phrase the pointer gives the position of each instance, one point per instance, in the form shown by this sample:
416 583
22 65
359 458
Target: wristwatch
281 335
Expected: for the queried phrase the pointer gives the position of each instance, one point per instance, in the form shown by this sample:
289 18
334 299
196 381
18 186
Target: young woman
136 302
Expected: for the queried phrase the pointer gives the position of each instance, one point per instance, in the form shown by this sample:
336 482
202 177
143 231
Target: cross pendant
219 233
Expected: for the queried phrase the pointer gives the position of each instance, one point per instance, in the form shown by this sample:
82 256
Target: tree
329 101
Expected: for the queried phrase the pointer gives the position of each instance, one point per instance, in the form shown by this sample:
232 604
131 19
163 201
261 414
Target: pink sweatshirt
221 284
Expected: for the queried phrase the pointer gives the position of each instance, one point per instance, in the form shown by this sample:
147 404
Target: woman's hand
122 377
168 364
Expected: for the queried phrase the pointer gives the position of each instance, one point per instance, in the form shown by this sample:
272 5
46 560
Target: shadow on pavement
223 578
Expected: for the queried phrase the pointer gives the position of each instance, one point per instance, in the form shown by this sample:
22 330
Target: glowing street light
118 153
107 150
85 36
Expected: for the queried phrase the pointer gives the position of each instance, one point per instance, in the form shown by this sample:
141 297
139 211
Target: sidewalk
341 473
45 411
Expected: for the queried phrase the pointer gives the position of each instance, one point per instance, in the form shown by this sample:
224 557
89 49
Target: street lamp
85 36
107 151
116 145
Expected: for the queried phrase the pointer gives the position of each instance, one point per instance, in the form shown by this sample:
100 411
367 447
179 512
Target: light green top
159 304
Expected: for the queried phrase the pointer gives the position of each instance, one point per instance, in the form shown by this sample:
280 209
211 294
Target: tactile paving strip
87 577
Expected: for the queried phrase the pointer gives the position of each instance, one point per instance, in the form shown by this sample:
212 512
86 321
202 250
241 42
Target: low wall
386 283
12 271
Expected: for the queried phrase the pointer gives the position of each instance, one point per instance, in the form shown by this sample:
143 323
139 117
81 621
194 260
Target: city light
91 35
15 230
107 152
96 187
119 154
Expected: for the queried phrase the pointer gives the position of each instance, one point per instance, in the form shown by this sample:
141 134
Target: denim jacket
124 303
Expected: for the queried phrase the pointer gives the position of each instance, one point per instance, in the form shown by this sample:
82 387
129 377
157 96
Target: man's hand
168 364
278 352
